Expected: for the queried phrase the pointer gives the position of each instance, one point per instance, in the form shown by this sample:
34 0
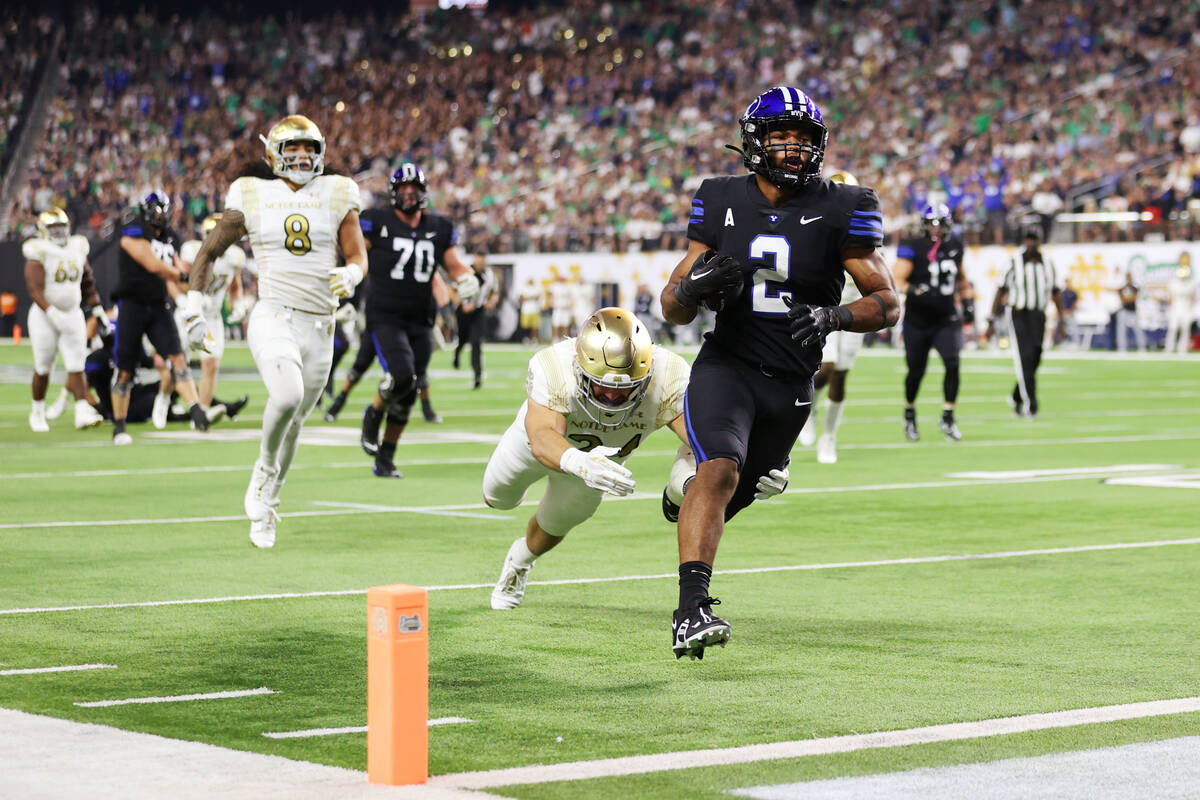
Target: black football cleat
430 415
235 408
949 427
370 430
386 469
910 425
694 629
670 509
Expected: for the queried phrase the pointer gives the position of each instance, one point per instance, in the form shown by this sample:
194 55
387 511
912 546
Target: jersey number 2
778 251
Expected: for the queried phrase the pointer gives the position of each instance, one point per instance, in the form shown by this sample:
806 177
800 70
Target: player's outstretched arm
230 228
140 251
465 282
546 429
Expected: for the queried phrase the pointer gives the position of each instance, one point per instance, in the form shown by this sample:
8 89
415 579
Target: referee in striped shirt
1030 284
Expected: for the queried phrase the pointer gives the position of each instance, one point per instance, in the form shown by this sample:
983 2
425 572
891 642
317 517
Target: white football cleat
262 531
808 434
37 420
122 438
59 406
86 416
510 589
259 494
158 415
827 449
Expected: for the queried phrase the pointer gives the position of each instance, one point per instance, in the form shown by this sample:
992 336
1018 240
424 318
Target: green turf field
845 619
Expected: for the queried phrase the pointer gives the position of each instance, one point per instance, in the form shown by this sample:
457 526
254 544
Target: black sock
197 415
427 406
693 583
118 426
387 453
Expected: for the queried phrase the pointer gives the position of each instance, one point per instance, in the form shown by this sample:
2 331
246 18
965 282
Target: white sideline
178 698
955 731
353 729
69 668
1051 551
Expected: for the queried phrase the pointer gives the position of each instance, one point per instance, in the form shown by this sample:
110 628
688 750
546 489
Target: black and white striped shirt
1030 283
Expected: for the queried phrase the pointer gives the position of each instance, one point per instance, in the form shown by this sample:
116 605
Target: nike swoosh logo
696 275
430 235
806 220
805 403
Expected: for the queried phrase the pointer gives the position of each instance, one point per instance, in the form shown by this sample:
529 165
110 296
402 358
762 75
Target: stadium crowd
588 129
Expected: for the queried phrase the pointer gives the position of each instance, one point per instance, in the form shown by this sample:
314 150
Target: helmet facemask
936 222
54 226
156 210
613 365
793 169
298 167
409 174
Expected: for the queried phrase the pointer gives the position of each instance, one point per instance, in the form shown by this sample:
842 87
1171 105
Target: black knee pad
394 388
398 413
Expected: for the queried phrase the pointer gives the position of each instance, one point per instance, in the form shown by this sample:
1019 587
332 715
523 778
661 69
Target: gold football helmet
844 177
55 226
292 129
209 225
613 363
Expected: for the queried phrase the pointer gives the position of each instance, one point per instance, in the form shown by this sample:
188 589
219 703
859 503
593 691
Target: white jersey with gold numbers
224 268
294 236
551 382
64 268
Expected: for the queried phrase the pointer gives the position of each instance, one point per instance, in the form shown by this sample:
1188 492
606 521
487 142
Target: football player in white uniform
297 219
225 278
58 277
837 357
591 401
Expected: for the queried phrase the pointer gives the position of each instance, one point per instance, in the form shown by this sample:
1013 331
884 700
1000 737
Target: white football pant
48 339
841 348
293 351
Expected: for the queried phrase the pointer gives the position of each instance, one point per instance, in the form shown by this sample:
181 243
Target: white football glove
60 319
194 326
468 288
345 313
771 484
598 471
342 280
240 308
103 323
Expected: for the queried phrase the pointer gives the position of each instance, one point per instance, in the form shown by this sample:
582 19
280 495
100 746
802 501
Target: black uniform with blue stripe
751 385
931 319
401 263
142 306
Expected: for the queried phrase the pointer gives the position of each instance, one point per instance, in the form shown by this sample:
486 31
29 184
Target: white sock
39 406
833 417
522 556
164 398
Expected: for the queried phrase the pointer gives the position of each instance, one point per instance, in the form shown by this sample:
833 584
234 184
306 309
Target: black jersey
936 267
793 250
402 261
135 282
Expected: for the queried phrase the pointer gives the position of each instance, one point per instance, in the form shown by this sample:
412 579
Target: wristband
844 317
882 307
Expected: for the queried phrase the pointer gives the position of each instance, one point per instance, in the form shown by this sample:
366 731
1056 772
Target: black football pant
733 409
919 339
470 329
1028 331
404 349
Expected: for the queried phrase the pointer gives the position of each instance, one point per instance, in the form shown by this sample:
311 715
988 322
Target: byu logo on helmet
156 208
409 200
936 220
783 108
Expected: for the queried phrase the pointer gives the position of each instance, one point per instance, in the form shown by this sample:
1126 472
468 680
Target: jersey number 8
295 234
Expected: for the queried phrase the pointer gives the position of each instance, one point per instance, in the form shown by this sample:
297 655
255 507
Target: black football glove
811 324
715 279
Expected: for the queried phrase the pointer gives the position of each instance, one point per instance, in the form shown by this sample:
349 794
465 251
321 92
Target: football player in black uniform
769 252
149 258
930 268
405 245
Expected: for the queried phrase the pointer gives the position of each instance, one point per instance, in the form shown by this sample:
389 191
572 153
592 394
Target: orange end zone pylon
397 684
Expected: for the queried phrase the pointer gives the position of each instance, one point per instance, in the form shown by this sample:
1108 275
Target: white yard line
353 729
70 668
1041 473
178 698
1053 551
955 731
357 508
